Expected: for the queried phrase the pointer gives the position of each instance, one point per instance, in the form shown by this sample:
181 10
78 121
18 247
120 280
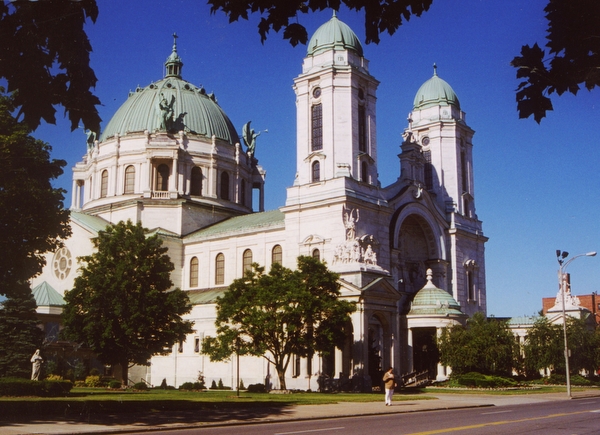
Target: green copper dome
334 35
172 105
431 300
435 92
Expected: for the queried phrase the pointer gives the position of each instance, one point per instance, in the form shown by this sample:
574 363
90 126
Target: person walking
390 383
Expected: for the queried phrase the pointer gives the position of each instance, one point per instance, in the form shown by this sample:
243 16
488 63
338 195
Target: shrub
220 384
140 386
25 387
242 387
478 380
257 388
94 372
54 378
93 381
213 386
114 384
163 384
186 386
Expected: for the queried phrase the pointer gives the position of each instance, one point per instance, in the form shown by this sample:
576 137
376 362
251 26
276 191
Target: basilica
410 255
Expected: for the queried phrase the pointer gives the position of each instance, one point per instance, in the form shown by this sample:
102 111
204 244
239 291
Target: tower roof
434 301
190 108
435 92
334 35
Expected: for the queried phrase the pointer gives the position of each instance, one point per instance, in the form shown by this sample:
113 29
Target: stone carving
36 365
350 220
354 249
90 139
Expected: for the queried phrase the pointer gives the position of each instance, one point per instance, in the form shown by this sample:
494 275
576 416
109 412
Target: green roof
209 296
92 223
193 110
46 296
435 92
431 300
334 35
256 222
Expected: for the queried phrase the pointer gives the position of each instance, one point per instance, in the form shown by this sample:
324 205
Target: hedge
25 387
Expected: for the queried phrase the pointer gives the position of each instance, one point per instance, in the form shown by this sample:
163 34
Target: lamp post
560 256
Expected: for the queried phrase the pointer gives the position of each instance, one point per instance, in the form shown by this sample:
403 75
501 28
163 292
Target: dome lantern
174 63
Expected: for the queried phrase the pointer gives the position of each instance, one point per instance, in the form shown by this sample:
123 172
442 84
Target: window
317 127
463 169
316 171
162 178
246 261
470 285
196 181
194 272
225 186
104 184
295 366
129 180
428 170
180 347
196 344
364 172
316 254
277 255
220 269
362 129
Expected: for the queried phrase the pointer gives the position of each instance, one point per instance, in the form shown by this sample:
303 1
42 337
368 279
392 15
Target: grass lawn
116 401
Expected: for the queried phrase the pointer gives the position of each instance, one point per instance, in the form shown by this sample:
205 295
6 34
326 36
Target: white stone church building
171 158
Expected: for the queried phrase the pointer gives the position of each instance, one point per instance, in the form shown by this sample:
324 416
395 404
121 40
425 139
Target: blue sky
536 186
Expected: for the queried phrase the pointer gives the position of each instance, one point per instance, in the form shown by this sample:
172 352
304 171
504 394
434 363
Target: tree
544 347
280 314
573 57
20 335
120 305
485 345
32 217
276 14
45 59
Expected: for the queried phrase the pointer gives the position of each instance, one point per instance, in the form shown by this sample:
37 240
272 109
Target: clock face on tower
316 92
425 141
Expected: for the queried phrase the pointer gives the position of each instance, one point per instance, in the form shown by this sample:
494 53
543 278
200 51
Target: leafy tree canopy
280 314
45 59
573 57
120 305
485 345
275 15
31 210
20 335
544 346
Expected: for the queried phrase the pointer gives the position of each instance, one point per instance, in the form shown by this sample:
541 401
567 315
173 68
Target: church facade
171 158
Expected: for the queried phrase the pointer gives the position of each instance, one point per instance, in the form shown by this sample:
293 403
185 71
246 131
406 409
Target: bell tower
335 99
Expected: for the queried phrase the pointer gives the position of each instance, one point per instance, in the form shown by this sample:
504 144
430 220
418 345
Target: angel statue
250 136
166 112
350 219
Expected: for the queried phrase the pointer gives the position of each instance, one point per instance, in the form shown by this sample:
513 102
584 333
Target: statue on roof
166 112
249 136
90 139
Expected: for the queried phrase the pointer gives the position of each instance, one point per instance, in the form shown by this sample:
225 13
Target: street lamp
560 256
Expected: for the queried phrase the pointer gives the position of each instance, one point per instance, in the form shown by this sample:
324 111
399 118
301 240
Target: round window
62 263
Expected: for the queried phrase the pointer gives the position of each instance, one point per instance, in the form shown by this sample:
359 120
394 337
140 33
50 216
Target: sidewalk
109 424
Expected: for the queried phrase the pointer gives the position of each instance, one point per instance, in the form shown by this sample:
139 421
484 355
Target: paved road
106 424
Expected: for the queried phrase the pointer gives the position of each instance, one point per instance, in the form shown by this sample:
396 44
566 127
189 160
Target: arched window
317 127
362 129
194 272
364 172
104 184
316 254
277 255
162 178
225 186
316 171
247 261
220 269
129 180
196 181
